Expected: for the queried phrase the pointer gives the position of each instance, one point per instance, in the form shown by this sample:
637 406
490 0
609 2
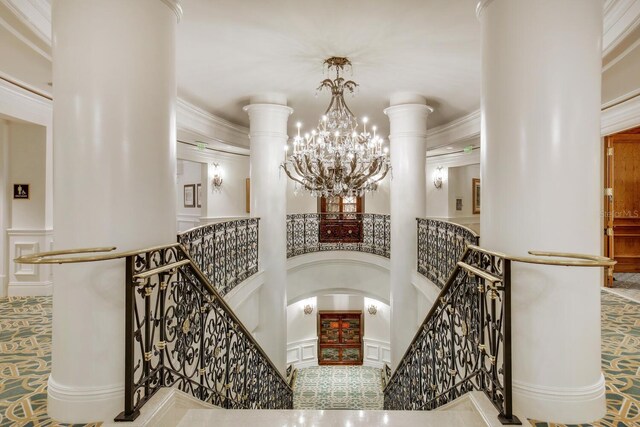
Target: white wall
188 173
24 149
621 80
460 187
302 335
230 201
302 202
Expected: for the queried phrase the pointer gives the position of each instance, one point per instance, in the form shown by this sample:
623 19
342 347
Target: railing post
129 414
507 416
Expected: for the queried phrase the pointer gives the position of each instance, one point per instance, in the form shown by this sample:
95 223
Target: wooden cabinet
341 219
340 337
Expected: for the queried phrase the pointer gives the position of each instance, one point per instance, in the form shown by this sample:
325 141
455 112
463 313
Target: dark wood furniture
340 220
340 337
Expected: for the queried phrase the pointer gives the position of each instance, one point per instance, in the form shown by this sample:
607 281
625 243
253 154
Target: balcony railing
464 343
369 233
440 246
226 252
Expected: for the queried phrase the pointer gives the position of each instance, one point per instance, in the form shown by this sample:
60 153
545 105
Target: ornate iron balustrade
464 343
227 252
440 246
181 333
303 234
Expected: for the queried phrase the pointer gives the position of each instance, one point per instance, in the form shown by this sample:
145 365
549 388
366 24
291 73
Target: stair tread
319 418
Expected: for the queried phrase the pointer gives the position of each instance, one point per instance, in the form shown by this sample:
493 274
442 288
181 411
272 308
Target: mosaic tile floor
25 361
25 346
338 387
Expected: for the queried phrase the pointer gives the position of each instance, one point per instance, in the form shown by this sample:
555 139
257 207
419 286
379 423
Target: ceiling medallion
336 159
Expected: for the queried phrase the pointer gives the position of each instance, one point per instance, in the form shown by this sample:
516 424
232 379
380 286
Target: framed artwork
198 195
475 191
190 196
248 194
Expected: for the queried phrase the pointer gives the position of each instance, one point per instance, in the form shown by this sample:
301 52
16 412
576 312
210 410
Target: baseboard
81 405
30 289
560 405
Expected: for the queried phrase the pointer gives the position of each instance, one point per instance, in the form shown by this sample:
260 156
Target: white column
114 165
541 190
268 117
408 138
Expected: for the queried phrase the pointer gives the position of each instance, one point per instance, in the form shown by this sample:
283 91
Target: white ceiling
229 50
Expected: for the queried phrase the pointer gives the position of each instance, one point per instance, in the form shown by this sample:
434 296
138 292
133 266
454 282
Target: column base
81 405
560 405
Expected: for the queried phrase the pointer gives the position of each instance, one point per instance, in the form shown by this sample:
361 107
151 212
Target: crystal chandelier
336 159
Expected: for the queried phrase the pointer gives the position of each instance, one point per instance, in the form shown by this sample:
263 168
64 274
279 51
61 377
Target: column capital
408 108
175 6
272 108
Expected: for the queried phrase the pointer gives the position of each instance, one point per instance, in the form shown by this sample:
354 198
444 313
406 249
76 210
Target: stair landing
322 418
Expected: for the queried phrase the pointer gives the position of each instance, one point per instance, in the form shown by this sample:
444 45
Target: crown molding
621 17
617 118
201 122
467 127
35 14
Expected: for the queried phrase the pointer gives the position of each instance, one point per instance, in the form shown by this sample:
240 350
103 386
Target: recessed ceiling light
449 148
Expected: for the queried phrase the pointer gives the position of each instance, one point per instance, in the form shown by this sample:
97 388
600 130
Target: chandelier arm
293 178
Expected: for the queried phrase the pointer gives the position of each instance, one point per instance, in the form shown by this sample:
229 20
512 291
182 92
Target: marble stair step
326 418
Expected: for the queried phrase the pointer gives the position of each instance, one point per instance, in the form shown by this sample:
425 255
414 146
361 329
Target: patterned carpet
627 285
338 387
620 362
25 349
25 362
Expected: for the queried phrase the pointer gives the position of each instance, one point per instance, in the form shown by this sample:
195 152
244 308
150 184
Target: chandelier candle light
335 159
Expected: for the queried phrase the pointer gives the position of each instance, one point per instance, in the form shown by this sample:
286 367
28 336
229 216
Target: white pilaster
114 165
268 135
408 119
541 189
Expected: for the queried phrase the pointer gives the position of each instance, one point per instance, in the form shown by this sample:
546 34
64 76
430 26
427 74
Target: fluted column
114 95
408 137
541 190
268 118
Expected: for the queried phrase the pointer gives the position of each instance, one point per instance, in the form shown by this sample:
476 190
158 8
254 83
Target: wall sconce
372 309
437 177
216 182
308 309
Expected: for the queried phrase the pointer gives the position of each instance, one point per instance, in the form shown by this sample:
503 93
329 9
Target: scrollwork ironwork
464 344
440 246
181 333
303 232
227 252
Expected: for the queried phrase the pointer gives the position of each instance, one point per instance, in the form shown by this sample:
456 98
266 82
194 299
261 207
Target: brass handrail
45 257
584 260
480 273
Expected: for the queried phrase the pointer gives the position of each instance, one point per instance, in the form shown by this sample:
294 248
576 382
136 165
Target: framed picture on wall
198 195
190 196
475 191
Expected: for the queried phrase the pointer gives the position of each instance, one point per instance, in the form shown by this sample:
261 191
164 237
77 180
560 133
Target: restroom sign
20 191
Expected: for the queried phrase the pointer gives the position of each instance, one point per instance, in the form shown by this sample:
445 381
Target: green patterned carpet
25 363
338 387
620 362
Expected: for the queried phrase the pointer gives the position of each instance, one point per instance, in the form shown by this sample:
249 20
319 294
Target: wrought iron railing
226 252
303 234
181 333
464 343
440 246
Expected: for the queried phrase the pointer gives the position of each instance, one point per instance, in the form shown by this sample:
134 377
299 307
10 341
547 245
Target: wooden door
622 201
341 219
340 337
